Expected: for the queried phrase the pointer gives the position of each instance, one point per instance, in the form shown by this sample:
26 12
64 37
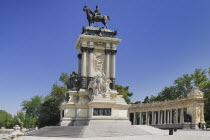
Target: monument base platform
95 122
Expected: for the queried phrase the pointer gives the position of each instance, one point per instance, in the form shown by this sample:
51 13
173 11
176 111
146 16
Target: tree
6 119
24 120
32 106
123 90
19 119
146 100
137 102
65 78
49 110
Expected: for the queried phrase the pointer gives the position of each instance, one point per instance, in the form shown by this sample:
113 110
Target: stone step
96 131
153 130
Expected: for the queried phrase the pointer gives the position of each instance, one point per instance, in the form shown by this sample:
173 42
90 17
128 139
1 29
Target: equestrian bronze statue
95 16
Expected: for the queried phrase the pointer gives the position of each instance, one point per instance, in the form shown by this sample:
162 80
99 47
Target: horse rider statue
97 11
95 16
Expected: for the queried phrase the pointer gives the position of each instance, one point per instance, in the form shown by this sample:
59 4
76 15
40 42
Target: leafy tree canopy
6 119
49 110
31 107
24 120
124 90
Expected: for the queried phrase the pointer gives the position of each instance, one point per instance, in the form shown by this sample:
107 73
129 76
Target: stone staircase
96 131
153 130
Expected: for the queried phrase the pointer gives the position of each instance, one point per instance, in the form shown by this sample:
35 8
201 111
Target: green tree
65 78
146 100
19 119
137 102
6 119
32 106
49 110
124 90
24 120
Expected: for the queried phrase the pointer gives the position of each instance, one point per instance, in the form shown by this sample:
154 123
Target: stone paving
115 133
90 131
143 137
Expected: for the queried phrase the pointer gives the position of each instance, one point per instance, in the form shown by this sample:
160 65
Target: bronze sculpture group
95 16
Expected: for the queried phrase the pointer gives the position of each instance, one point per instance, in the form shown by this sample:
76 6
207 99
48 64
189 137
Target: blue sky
161 40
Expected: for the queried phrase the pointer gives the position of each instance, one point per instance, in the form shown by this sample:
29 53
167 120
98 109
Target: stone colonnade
186 111
85 66
168 116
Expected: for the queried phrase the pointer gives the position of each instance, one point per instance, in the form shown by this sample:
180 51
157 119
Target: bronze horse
93 17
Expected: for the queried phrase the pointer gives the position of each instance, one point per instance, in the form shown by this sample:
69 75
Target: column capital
84 49
107 51
113 52
90 50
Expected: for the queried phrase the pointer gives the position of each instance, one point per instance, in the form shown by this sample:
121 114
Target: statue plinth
95 97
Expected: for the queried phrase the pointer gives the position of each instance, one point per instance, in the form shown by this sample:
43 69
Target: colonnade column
164 117
152 117
90 65
134 118
171 114
146 118
112 75
177 114
159 117
182 116
140 118
155 118
83 77
168 116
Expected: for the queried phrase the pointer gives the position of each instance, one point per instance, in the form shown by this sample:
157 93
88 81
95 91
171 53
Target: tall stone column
79 64
177 115
90 65
164 117
153 118
134 118
140 118
83 78
112 75
106 66
159 117
148 117
171 116
146 121
182 116
168 116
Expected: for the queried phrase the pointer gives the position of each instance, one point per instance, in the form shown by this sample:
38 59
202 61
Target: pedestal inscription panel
102 112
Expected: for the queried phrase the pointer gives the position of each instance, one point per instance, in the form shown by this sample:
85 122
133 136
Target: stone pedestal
96 102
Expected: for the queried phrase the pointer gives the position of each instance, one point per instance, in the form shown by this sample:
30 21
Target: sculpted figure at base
73 81
100 85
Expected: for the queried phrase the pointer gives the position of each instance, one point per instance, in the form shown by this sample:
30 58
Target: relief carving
195 93
100 86
98 61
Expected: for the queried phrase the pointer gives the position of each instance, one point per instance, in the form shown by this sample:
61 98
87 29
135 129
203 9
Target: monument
91 98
